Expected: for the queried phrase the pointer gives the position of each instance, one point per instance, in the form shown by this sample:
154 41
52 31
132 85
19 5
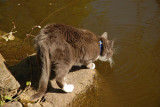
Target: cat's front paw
91 66
68 88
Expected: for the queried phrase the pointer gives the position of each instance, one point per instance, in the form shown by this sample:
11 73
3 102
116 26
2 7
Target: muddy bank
27 70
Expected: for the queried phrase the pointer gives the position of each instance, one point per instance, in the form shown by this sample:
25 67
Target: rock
81 79
34 105
8 84
13 104
46 104
28 70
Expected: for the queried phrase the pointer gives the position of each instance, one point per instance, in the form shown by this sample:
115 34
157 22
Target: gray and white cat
63 46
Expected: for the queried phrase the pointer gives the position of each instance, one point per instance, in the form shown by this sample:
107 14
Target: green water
134 81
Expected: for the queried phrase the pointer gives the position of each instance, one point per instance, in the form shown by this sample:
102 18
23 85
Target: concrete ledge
8 84
81 80
27 70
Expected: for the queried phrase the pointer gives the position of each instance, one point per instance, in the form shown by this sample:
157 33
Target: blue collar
101 46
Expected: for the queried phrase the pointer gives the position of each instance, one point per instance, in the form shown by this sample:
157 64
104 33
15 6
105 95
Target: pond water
134 81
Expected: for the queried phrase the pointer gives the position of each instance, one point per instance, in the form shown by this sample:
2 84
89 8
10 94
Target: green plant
3 99
28 83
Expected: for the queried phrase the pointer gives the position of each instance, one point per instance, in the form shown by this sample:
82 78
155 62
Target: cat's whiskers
115 50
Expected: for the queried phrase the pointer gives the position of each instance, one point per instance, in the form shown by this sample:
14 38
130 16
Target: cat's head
106 49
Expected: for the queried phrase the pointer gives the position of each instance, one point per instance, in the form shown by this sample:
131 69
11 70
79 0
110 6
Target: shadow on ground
28 70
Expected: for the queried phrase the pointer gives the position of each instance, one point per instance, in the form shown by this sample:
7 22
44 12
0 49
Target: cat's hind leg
61 79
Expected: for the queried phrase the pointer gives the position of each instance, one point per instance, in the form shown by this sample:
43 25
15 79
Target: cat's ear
104 35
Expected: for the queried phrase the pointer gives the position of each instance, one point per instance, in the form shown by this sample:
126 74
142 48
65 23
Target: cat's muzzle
111 62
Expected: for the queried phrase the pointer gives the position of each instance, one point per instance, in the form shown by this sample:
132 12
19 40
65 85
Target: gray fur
64 46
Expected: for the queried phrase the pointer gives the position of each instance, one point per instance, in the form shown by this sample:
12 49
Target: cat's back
60 32
60 29
56 32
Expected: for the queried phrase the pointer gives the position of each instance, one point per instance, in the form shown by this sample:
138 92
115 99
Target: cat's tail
43 53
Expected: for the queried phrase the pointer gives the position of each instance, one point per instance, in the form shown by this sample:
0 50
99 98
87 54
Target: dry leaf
11 37
5 38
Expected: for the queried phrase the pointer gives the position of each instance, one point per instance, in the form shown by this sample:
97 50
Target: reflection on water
27 14
134 80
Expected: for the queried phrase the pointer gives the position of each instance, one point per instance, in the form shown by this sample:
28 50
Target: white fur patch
110 60
91 66
97 58
102 58
68 88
